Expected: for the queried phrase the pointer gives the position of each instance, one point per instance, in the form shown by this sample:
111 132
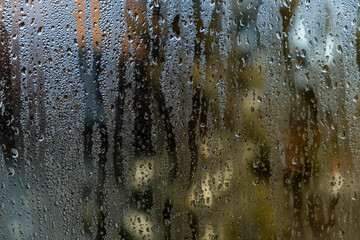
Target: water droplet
14 153
256 181
354 197
11 171
41 138
130 38
355 99
324 68
146 116
303 53
299 63
22 25
339 49
156 3
39 31
278 35
342 136
256 164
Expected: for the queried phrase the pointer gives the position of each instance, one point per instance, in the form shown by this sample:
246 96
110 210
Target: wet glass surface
165 119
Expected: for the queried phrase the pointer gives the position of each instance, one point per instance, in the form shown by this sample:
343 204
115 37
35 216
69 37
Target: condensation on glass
166 119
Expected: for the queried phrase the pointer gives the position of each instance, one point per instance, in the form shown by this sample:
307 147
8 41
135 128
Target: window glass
166 119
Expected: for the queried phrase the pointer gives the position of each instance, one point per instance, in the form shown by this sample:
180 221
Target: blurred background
165 119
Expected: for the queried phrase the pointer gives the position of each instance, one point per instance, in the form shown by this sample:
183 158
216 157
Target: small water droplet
39 31
324 68
299 63
339 49
303 53
355 99
41 138
256 181
256 164
14 153
156 3
278 35
342 136
146 116
294 161
11 171
354 197
130 38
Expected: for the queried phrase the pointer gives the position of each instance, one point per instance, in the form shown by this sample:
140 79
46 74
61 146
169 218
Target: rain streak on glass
166 119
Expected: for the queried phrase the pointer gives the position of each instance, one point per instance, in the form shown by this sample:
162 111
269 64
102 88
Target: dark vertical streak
310 161
40 96
164 111
158 57
303 121
119 120
200 100
100 194
10 127
193 152
118 158
197 92
192 132
16 90
88 132
357 45
196 104
167 219
6 121
296 130
146 85
94 103
141 86
142 129
141 101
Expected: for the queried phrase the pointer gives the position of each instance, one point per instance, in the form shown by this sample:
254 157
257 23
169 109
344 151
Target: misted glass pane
167 119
